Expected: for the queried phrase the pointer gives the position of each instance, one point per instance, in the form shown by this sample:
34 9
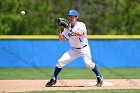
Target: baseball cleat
51 82
99 81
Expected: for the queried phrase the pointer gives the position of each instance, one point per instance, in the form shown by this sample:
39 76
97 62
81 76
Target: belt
81 47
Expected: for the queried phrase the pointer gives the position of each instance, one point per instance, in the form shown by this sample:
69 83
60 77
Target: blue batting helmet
73 12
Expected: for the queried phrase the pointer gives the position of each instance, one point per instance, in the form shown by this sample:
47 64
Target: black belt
81 47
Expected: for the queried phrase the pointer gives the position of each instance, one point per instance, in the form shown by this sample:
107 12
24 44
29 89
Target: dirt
66 84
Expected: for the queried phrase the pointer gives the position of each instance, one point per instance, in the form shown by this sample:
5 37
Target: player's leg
53 80
91 65
65 59
94 68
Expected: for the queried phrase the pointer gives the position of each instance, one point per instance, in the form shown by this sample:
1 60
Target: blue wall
45 53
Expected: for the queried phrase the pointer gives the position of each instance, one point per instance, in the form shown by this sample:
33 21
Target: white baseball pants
72 54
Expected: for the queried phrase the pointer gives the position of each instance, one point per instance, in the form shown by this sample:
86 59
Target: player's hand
68 28
58 31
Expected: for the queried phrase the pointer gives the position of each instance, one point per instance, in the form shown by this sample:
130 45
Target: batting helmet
73 12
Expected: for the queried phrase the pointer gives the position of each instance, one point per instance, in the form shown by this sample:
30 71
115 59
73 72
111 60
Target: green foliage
100 16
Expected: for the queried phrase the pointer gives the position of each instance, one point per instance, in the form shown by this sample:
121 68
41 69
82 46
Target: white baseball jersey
75 40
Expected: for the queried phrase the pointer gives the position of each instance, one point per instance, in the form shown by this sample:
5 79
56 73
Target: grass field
68 73
72 73
92 91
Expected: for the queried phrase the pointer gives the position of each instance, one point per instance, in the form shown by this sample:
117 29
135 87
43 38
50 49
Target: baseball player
76 33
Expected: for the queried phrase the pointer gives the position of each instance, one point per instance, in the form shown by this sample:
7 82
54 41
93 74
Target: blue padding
45 53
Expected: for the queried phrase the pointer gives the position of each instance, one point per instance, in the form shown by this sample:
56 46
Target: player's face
72 19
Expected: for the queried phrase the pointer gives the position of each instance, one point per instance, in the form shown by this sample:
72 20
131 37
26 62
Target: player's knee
91 66
60 63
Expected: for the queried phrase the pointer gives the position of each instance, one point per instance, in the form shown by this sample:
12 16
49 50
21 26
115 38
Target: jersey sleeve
82 27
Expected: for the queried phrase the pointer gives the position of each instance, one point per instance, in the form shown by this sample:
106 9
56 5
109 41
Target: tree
100 16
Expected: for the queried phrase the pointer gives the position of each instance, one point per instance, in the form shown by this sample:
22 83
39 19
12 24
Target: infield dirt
66 84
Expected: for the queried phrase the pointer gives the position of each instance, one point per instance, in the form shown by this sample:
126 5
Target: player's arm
61 38
77 32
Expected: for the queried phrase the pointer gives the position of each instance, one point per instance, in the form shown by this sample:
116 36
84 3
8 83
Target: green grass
68 73
91 91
